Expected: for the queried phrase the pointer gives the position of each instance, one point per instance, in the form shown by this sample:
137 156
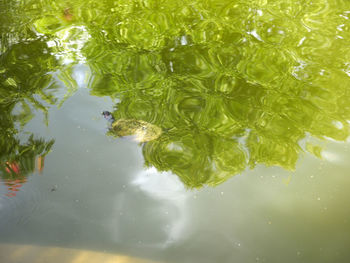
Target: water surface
252 98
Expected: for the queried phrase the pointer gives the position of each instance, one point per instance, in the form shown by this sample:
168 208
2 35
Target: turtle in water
140 130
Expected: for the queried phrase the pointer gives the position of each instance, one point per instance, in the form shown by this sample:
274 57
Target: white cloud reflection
168 189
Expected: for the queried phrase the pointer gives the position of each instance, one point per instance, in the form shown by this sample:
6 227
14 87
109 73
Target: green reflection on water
22 80
232 84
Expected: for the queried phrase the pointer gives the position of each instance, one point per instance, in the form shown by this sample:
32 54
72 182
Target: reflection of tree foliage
25 86
30 54
18 160
23 154
35 40
23 80
230 86
25 76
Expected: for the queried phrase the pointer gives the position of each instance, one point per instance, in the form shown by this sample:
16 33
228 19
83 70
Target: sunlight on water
39 254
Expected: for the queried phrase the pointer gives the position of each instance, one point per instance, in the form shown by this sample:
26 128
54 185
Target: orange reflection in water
15 177
13 185
67 15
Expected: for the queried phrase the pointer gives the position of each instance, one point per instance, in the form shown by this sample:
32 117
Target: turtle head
108 116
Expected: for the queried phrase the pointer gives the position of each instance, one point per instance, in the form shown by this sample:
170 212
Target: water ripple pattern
232 84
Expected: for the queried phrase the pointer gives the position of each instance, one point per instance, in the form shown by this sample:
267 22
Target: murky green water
253 101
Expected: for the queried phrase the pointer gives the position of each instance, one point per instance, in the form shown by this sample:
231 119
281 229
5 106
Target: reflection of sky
167 189
106 200
151 210
163 188
70 41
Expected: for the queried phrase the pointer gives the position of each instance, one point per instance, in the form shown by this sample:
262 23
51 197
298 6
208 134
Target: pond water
252 99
